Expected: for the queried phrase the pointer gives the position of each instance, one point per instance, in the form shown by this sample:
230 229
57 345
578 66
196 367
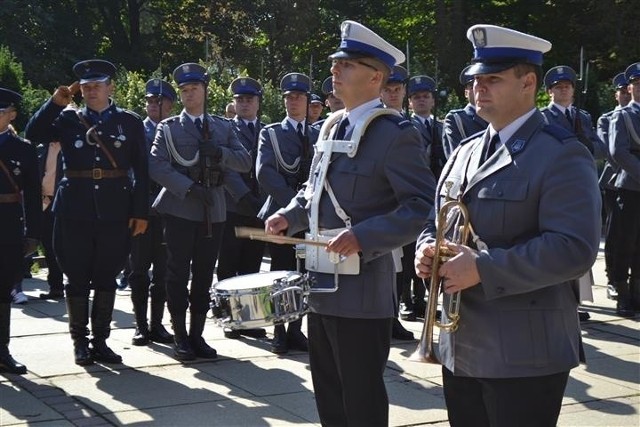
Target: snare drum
260 299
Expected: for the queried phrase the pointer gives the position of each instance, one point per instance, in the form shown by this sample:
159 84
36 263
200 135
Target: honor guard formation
497 209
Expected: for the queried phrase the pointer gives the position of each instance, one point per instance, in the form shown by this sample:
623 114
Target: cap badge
156 82
480 37
418 80
346 29
560 70
186 68
243 82
294 77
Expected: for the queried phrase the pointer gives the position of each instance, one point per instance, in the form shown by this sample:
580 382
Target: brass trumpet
452 216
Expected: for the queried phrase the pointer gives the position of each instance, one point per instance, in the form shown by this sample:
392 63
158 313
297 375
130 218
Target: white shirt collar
193 118
561 108
507 132
359 111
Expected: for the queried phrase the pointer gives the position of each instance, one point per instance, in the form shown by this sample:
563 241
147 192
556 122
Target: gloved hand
29 246
138 226
248 205
201 193
212 151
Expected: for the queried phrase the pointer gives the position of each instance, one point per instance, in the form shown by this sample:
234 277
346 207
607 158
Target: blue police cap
9 98
94 70
464 77
327 85
420 84
245 86
295 82
190 73
559 74
620 81
357 41
497 49
632 72
316 98
399 74
158 87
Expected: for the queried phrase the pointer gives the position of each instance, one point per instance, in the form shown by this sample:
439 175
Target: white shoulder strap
630 128
458 120
288 167
173 152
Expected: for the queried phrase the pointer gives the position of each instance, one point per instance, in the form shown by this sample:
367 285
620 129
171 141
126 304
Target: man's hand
346 244
248 205
424 260
63 95
210 150
201 193
460 272
29 246
138 226
276 224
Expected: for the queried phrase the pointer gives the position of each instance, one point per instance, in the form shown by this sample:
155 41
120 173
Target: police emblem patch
480 37
346 29
517 145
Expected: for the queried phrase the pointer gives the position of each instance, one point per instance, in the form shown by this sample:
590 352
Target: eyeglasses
349 62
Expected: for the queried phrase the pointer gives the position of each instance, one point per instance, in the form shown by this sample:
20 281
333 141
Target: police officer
243 195
462 123
316 105
386 190
285 151
97 205
19 216
608 177
532 196
560 82
189 156
624 147
332 102
395 90
148 249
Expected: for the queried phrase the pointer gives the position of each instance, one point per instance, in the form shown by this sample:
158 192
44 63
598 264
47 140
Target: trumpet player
531 192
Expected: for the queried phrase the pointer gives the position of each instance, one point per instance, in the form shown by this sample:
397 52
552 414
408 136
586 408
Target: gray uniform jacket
624 150
280 185
536 204
173 198
387 189
471 124
427 134
555 116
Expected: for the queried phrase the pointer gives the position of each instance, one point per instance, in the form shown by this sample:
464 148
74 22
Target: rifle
580 94
306 155
205 161
437 150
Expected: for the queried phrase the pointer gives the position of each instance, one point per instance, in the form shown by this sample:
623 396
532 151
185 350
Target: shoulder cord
173 152
630 128
458 120
290 168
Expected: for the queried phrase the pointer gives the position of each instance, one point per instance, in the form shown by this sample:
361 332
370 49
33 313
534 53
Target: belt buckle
96 173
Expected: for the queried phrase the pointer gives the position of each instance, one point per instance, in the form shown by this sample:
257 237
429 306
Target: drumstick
259 234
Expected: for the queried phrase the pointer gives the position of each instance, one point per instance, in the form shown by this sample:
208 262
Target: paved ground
249 386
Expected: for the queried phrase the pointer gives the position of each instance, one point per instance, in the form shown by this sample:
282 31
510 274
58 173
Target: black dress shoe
297 341
140 337
102 353
182 350
52 295
10 365
231 334
408 315
399 332
202 349
160 334
279 342
253 333
583 316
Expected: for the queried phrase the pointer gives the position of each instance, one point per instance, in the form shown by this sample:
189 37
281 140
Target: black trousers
625 233
91 253
146 250
504 402
54 275
609 205
11 266
187 245
240 256
283 257
348 358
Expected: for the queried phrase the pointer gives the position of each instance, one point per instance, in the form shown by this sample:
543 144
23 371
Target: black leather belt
96 173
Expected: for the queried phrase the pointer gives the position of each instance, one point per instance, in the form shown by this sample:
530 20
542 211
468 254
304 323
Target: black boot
279 343
399 332
182 350
295 338
7 363
624 307
634 290
78 312
141 336
158 333
198 344
101 313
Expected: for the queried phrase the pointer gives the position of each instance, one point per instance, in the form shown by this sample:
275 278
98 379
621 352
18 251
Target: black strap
342 129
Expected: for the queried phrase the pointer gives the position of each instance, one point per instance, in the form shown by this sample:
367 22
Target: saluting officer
462 123
97 202
624 146
19 216
560 82
394 91
285 151
148 249
608 178
243 195
188 158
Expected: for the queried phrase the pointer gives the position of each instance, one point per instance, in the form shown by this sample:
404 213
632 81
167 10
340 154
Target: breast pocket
355 179
502 203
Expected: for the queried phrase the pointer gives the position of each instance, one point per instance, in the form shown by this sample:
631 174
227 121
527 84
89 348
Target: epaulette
558 132
131 113
170 119
402 122
272 125
472 137
456 111
219 117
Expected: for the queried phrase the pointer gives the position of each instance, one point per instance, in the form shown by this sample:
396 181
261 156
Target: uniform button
100 132
96 186
500 193
97 158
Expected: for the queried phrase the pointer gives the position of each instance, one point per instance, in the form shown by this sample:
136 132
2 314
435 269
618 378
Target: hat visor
97 79
348 54
288 91
489 67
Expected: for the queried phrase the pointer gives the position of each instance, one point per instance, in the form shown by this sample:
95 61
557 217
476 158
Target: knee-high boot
78 312
198 344
181 346
7 363
157 331
140 298
101 313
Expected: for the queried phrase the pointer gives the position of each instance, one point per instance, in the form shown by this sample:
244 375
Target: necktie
252 128
300 132
342 129
427 124
567 113
493 144
198 123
